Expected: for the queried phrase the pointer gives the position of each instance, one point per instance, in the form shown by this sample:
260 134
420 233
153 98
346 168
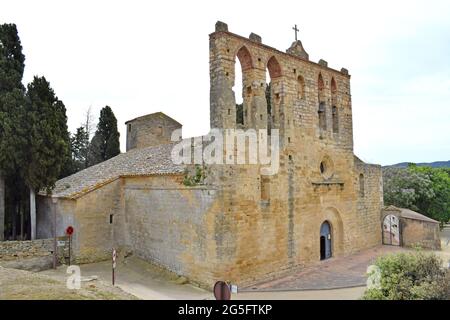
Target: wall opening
335 119
361 185
265 189
300 87
269 101
321 88
333 86
325 241
243 64
322 116
322 108
326 167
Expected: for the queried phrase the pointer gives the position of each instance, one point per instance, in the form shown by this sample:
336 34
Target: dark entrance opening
325 241
322 248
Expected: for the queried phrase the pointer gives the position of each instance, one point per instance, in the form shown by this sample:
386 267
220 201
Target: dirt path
25 285
141 279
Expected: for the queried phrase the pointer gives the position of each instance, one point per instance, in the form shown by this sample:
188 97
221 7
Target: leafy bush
196 179
410 276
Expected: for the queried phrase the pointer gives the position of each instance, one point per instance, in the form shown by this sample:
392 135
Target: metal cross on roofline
296 30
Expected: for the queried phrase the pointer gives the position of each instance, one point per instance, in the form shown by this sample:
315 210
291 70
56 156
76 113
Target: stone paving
343 272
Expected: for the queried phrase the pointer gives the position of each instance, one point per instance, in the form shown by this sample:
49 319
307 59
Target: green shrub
410 276
196 179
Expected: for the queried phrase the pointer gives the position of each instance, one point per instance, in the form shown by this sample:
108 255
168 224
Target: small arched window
301 87
320 86
333 86
274 68
334 113
322 116
361 185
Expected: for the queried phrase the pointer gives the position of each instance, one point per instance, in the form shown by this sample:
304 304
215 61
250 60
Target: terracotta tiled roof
409 214
154 160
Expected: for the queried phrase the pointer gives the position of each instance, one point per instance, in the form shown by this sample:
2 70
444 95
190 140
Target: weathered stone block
221 26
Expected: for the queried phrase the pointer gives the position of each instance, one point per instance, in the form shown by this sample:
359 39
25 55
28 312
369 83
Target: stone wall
89 216
95 215
156 217
167 223
369 183
12 250
420 233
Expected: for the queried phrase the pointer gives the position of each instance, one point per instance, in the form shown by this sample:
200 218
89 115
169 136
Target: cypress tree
12 116
49 144
48 152
105 143
80 147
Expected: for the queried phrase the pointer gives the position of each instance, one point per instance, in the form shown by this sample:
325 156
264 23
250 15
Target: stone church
234 224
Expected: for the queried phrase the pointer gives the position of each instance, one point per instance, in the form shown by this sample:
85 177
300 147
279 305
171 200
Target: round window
322 167
326 168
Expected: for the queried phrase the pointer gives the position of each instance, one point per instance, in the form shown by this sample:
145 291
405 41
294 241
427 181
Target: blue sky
144 56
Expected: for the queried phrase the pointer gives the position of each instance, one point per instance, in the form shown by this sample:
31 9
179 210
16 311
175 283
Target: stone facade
281 231
238 225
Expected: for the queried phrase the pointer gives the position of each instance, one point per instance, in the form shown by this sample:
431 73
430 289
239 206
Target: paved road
145 282
330 274
336 294
319 282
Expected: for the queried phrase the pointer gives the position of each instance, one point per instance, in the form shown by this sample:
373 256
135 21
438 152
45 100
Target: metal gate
391 230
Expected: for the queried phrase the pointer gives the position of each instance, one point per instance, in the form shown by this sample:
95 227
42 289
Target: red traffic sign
222 291
69 230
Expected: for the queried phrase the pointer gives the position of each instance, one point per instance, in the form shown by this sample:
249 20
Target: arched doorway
325 241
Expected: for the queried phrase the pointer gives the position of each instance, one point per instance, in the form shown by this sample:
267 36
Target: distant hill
436 164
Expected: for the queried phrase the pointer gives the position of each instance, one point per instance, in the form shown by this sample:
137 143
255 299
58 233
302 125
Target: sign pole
69 232
70 242
54 201
113 266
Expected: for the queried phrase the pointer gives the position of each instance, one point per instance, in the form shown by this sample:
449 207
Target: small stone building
150 130
404 227
237 224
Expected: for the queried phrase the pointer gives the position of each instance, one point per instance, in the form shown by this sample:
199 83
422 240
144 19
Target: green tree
48 136
12 60
80 147
12 116
422 189
105 143
48 150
